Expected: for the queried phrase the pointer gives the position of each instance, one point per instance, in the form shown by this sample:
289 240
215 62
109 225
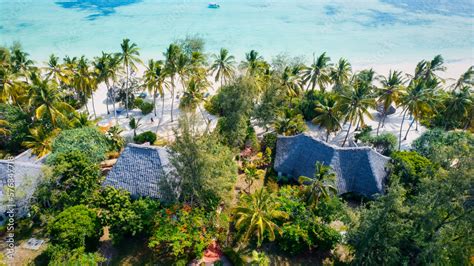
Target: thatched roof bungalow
358 169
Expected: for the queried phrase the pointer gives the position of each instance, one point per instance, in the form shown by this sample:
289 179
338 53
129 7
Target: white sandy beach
163 126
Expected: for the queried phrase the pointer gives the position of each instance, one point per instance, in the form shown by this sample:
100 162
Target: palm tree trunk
126 92
107 97
401 128
162 107
93 105
113 103
172 97
154 100
409 127
202 114
327 135
380 122
347 135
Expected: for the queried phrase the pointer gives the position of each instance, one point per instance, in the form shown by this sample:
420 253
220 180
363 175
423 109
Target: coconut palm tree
183 68
291 81
321 185
129 56
82 120
256 215
20 62
390 92
40 140
46 101
427 69
223 66
135 124
10 85
193 96
416 102
154 80
289 123
459 105
340 74
253 63
355 101
106 68
56 71
466 79
85 82
171 58
318 73
328 116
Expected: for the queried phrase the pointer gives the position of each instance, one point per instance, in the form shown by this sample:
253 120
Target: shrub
307 105
146 108
410 168
269 141
384 143
76 227
87 140
144 137
138 102
251 140
182 231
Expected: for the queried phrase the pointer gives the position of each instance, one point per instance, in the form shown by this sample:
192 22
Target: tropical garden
225 189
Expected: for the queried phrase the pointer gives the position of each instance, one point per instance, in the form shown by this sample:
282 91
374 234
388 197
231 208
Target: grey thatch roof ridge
139 170
358 169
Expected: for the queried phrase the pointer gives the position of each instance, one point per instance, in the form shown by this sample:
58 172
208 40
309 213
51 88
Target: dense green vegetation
223 188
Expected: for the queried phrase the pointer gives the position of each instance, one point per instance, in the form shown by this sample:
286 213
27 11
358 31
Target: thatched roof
24 171
139 170
358 169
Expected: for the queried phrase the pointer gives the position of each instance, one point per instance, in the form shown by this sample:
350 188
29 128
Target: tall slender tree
328 116
223 66
390 92
171 60
129 56
318 73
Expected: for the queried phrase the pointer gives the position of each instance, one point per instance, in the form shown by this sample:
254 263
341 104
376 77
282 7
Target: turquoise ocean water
365 31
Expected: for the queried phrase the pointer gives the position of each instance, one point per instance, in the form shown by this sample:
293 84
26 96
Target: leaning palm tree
223 66
106 68
256 215
56 71
355 101
466 79
340 74
171 55
328 116
321 185
390 92
426 70
318 73
416 102
85 82
129 58
154 80
40 140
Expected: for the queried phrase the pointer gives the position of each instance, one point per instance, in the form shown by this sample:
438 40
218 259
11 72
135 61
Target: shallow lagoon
365 32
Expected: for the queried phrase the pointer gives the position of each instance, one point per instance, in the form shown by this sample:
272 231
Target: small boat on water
213 5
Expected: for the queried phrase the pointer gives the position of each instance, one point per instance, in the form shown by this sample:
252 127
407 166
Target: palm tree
289 123
322 185
85 82
291 81
40 140
340 74
129 58
183 68
45 99
223 66
328 116
427 69
391 91
415 101
253 63
459 105
194 95
135 124
318 73
20 62
106 68
466 79
154 81
56 71
354 102
82 120
256 215
10 85
172 55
